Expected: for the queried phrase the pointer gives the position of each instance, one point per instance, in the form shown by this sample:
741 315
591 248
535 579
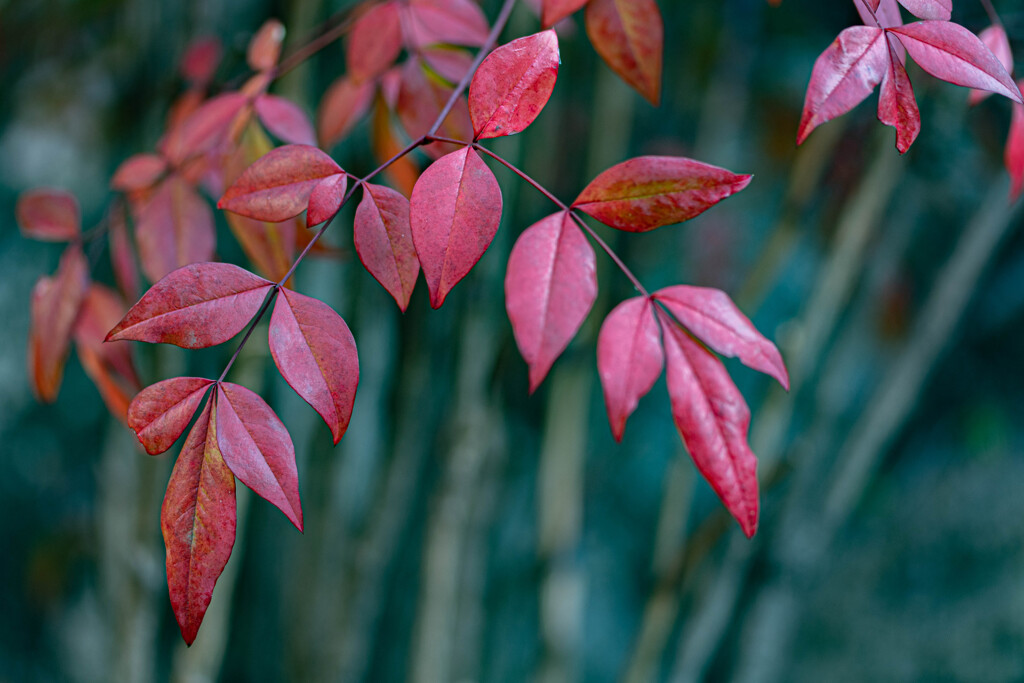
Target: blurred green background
465 531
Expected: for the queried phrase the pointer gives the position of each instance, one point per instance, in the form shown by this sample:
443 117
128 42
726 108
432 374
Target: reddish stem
992 14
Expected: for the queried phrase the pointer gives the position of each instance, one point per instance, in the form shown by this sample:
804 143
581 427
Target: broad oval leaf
897 106
345 102
277 186
553 11
648 192
265 47
448 61
138 172
711 316
513 84
160 413
50 215
375 42
550 287
55 304
996 40
843 76
257 448
325 199
929 9
285 120
455 212
954 54
194 307
629 36
198 523
458 22
713 420
629 359
173 229
383 241
204 129
199 64
316 353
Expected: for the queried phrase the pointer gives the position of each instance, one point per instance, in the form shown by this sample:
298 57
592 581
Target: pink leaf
711 316
383 241
897 106
175 228
954 54
629 359
1014 155
50 215
198 523
315 352
995 39
843 76
325 199
513 84
713 420
205 129
448 62
420 101
553 11
138 172
194 307
55 305
375 42
122 256
257 448
455 212
629 38
160 412
648 192
344 103
265 46
200 61
278 185
550 286
929 9
109 366
459 22
874 13
285 120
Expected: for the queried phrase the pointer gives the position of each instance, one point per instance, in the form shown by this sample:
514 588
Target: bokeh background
466 531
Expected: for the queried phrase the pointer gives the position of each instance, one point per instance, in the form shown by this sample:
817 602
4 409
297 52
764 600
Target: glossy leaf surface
629 359
325 199
383 241
455 212
54 307
194 307
160 413
629 36
173 229
50 215
648 192
550 287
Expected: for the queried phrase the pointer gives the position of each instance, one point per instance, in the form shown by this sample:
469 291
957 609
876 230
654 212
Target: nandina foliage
442 99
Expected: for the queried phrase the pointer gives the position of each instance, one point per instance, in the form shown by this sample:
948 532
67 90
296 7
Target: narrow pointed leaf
455 212
50 215
55 304
265 47
513 84
345 102
648 192
175 228
206 128
1014 154
198 522
954 54
897 106
122 255
160 413
138 172
996 40
843 76
278 185
458 22
257 448
109 366
929 9
874 13
316 353
711 316
550 287
553 11
713 420
375 42
285 120
194 307
383 241
326 198
629 359
629 35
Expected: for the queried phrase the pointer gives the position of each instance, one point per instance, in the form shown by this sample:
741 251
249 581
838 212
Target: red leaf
711 316
101 309
420 101
629 359
269 246
897 106
459 22
201 60
315 352
954 54
843 76
448 62
995 39
278 185
114 392
513 84
648 192
550 286
555 10
205 128
122 256
874 13
55 304
1014 155
325 199
713 420
160 412
404 172
344 103
383 241
455 212
198 523
138 172
265 46
375 42
628 34
929 9
285 120
257 448
194 307
175 228
50 215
